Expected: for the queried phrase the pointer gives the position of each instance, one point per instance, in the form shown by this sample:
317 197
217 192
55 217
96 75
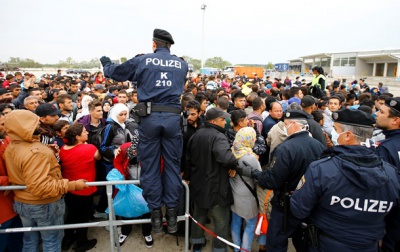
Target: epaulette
321 160
179 57
138 55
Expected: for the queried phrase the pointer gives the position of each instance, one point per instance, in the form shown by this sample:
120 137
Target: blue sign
282 67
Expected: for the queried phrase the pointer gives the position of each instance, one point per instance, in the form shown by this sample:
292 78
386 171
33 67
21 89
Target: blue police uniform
160 79
389 149
347 197
288 163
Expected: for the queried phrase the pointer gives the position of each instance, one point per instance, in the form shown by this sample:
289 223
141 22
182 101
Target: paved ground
163 242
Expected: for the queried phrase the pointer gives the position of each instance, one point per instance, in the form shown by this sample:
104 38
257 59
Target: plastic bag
129 201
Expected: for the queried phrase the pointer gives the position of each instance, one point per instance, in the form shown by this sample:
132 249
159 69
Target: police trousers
160 136
277 238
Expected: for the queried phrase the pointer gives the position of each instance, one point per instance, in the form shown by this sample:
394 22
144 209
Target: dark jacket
315 130
209 159
114 136
85 121
191 130
349 196
289 162
389 148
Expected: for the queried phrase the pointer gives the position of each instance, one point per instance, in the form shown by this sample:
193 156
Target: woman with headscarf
115 134
106 106
245 204
85 106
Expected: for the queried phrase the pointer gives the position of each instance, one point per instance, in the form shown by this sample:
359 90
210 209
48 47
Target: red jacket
6 209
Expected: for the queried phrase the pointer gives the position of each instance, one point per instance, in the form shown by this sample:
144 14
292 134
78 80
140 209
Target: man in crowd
31 103
48 116
348 196
289 162
275 114
333 105
36 93
73 90
209 159
33 164
258 107
64 103
239 102
308 105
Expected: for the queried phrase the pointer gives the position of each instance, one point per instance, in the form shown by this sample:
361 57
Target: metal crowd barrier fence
112 222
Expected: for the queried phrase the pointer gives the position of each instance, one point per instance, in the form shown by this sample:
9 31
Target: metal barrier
112 222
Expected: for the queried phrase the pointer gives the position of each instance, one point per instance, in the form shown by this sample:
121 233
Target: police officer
288 164
347 195
388 119
160 79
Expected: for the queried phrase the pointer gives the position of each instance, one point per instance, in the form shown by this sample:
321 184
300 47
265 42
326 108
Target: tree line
215 62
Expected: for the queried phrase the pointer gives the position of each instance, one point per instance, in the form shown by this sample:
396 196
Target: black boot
172 220
156 221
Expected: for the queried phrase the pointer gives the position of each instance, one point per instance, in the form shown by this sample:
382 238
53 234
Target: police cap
393 103
163 35
353 117
295 114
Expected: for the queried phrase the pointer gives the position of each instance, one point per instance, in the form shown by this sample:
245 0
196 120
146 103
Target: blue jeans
39 216
248 234
11 241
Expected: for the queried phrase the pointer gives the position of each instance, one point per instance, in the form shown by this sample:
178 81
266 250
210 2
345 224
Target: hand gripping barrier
112 222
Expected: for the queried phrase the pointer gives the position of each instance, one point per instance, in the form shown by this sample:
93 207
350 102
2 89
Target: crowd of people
239 141
319 159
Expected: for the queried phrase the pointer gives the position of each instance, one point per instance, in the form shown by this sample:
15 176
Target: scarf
244 142
116 110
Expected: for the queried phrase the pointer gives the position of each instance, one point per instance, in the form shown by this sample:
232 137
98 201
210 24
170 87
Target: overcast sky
239 31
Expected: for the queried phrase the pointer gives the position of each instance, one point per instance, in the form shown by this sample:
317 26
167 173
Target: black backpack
317 92
96 137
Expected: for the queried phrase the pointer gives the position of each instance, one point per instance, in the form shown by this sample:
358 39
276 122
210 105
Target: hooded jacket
31 163
348 196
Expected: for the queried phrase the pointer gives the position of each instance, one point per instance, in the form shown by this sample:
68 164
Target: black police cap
163 35
295 114
353 117
393 103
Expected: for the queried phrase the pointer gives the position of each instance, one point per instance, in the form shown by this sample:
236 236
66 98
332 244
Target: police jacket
209 159
160 76
347 196
389 149
289 162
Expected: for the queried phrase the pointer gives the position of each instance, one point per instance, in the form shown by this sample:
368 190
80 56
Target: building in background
380 63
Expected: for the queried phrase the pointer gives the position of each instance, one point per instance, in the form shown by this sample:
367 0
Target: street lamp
203 8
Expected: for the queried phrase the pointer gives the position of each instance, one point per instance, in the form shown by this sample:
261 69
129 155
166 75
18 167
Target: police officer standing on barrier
388 119
348 195
289 162
160 79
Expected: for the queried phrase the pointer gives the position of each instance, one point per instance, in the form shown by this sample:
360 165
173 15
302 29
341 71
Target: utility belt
145 108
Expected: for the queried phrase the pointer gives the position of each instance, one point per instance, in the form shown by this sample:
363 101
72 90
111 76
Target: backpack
317 92
96 137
